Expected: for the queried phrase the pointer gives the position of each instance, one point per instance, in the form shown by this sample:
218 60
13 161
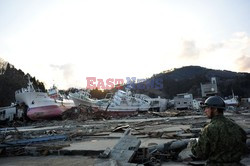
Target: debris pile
83 114
175 113
153 137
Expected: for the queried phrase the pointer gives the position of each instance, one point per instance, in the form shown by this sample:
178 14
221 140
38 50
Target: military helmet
215 102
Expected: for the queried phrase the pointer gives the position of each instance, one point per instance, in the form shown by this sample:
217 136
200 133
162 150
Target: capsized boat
122 103
40 105
82 98
156 104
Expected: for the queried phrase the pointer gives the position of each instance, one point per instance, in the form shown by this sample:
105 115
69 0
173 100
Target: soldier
222 142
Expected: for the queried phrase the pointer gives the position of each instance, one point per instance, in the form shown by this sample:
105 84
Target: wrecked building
183 101
10 113
209 89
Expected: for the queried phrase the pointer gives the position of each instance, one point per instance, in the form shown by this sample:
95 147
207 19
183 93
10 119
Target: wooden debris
120 128
124 151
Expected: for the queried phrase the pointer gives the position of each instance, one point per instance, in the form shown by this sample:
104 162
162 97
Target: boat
122 103
63 101
233 101
156 104
53 92
83 98
40 105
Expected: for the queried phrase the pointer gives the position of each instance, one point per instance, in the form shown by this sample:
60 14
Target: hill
188 79
11 80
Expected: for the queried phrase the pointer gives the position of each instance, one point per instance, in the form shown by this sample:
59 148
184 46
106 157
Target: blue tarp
33 140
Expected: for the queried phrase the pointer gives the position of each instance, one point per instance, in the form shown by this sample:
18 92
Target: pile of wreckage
146 139
83 113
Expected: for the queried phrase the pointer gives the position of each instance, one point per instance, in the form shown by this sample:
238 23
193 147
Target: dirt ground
69 160
59 161
47 161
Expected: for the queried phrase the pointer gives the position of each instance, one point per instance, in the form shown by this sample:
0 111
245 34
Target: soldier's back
226 139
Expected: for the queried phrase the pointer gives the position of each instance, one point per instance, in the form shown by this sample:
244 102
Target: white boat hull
231 102
65 104
82 102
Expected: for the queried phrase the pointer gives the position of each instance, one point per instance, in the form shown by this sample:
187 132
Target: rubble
175 113
83 114
81 132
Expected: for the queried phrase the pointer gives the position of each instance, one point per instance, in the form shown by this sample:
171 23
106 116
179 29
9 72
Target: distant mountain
188 79
190 72
11 80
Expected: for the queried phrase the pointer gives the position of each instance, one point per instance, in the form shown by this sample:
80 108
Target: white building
183 101
209 89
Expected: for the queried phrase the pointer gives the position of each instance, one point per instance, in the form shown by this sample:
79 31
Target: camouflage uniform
221 141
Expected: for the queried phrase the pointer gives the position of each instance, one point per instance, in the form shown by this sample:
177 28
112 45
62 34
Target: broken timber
122 153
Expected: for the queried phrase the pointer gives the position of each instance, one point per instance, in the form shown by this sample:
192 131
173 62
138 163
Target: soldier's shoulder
213 127
210 127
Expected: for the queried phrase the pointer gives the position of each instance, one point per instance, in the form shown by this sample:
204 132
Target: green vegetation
11 80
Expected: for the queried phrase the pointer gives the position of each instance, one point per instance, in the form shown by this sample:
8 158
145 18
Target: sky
62 42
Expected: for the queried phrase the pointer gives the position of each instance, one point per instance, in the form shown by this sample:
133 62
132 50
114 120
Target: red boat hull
45 112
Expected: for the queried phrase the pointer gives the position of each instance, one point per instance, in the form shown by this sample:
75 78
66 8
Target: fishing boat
40 105
63 101
233 101
82 98
122 103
